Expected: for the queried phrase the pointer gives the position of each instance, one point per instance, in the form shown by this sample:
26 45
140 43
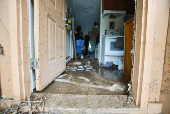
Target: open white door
50 40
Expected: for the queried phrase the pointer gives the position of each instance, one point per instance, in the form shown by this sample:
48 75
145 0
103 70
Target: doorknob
1 50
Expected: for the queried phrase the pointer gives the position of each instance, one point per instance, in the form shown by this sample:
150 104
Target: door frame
32 43
19 44
20 55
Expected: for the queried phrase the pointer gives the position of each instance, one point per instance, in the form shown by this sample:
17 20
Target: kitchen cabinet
124 5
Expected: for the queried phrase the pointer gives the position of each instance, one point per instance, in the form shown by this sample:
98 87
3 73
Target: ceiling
86 13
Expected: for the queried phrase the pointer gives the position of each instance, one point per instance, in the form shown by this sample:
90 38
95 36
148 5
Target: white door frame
31 43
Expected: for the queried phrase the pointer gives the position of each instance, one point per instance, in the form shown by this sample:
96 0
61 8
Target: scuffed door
50 40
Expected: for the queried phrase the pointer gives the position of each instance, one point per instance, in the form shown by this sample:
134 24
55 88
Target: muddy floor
97 81
81 104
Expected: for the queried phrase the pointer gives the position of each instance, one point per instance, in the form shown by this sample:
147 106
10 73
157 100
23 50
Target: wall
139 13
86 12
165 86
68 38
15 62
87 26
119 23
153 40
5 61
68 34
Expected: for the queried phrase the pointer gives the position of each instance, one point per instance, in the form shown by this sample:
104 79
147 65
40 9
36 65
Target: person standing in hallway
79 41
92 43
87 39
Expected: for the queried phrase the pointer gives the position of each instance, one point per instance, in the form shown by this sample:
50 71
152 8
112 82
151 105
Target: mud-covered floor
83 104
99 82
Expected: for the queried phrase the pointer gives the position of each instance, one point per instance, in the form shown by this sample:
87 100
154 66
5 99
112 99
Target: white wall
119 23
69 42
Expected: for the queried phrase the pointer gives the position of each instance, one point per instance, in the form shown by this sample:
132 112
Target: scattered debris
118 87
80 68
73 63
108 64
76 103
130 98
93 80
77 63
12 106
3 96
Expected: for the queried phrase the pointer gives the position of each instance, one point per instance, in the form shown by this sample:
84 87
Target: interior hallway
100 81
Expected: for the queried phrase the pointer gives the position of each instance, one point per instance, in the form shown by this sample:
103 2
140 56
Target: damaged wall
159 33
5 59
139 12
152 50
165 86
15 62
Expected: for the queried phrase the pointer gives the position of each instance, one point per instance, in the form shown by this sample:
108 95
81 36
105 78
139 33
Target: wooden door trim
19 44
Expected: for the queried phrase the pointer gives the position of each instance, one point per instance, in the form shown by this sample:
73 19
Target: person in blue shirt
79 41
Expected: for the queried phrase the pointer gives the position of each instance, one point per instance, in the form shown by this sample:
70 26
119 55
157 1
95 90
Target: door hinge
34 63
1 50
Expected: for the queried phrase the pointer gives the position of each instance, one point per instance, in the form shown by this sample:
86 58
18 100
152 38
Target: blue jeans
79 45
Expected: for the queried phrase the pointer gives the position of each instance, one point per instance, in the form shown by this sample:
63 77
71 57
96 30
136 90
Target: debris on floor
75 103
61 103
73 63
92 79
87 78
83 85
13 106
80 68
107 64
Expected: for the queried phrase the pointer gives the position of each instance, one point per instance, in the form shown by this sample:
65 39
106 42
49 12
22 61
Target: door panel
50 40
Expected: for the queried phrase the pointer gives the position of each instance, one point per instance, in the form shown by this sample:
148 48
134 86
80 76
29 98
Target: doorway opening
104 74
